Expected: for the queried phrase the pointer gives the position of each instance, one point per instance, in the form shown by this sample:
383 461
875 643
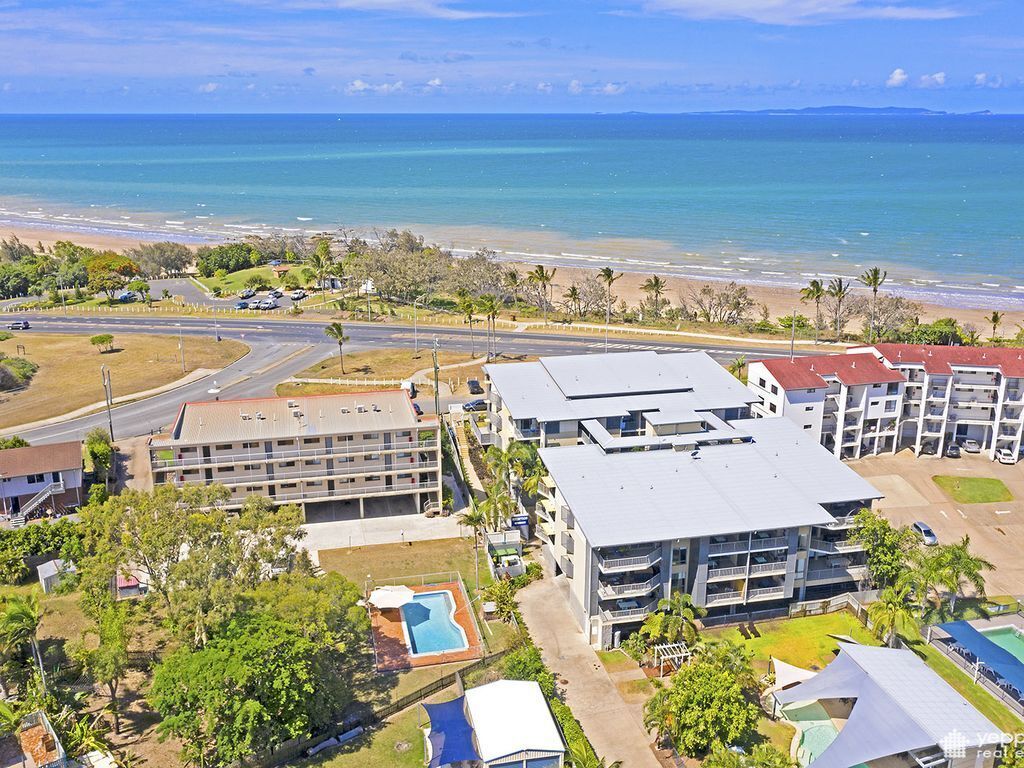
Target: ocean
936 200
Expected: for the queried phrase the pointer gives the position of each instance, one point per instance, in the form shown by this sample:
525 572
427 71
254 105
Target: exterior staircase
18 520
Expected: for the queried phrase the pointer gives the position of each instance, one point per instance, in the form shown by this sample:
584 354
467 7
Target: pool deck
389 637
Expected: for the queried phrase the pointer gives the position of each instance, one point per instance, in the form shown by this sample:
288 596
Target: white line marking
962 514
943 513
1003 511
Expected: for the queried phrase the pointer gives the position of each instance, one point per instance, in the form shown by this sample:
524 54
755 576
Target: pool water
1009 639
816 731
430 624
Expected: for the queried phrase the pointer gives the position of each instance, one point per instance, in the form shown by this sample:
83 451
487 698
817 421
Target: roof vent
291 404
259 415
376 408
360 409
296 412
344 409
853 364
245 416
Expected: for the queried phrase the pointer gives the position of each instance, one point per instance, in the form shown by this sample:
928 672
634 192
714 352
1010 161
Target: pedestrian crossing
664 348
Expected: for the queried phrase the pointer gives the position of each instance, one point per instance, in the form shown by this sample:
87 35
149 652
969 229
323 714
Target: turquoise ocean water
937 200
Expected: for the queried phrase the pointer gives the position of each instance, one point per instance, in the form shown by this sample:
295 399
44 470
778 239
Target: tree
705 703
873 278
961 565
336 331
608 277
727 305
259 683
320 266
503 594
924 573
675 620
996 319
573 300
581 756
512 282
99 450
474 519
104 342
108 272
543 279
654 287
738 366
489 306
14 441
761 756
498 504
886 547
838 291
19 626
142 288
815 291
890 613
160 259
107 662
257 282
525 663
466 306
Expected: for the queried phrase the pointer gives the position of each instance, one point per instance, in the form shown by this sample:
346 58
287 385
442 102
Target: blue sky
502 56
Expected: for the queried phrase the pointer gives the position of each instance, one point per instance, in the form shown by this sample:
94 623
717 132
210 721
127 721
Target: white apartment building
344 454
944 395
851 402
658 480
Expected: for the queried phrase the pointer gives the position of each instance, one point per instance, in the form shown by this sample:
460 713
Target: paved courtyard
322 532
996 530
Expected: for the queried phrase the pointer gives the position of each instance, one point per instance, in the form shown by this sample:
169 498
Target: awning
450 735
391 596
505 550
998 659
787 674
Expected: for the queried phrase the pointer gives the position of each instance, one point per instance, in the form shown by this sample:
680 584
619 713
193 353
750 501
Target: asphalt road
281 348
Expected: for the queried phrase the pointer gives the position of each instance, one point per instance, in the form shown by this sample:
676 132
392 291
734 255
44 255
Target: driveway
996 530
614 727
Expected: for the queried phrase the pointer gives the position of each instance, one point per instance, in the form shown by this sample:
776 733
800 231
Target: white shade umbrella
391 596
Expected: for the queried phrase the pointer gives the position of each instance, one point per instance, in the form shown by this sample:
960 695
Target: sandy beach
780 300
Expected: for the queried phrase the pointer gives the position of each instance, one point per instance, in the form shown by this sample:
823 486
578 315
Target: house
660 481
504 724
887 397
885 707
346 455
40 478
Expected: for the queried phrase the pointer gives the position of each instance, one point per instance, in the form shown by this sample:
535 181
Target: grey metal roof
608 385
901 705
778 480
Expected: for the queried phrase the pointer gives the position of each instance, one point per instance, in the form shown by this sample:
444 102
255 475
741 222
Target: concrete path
614 727
379 530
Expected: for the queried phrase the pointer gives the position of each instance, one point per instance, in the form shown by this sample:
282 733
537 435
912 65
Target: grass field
69 369
234 282
973 490
396 364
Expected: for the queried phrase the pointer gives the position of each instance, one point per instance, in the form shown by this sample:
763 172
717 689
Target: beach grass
973 490
69 369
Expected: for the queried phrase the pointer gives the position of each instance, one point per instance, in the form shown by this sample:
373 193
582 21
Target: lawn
234 282
69 369
803 642
399 363
973 490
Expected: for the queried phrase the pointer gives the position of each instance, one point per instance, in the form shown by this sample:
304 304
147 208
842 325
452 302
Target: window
250 445
371 457
310 440
250 467
775 389
289 485
553 427
678 556
875 403
312 462
372 478
811 391
808 426
761 383
808 407
345 438
286 442
223 447
35 478
771 407
287 463
890 406
371 436
892 389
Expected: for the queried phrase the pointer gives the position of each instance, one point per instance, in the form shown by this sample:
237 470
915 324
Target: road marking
1003 511
943 513
962 514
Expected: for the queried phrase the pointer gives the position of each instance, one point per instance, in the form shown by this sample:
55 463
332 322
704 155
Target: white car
970 446
268 304
1006 456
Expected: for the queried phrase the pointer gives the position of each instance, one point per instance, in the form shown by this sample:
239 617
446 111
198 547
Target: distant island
841 110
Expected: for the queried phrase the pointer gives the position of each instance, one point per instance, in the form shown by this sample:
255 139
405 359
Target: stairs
18 520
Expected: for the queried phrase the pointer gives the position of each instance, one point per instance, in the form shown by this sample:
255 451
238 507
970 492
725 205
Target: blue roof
451 735
999 660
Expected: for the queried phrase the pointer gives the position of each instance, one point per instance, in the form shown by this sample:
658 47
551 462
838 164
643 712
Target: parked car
970 446
416 407
275 294
297 295
926 533
18 325
475 405
127 297
474 387
952 451
1006 456
248 293
242 305
275 263
268 304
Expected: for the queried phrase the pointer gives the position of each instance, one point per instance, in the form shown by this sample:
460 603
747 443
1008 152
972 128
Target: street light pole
415 330
63 301
109 396
181 347
437 394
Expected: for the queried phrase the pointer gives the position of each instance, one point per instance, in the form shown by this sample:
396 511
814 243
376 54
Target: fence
977 670
848 601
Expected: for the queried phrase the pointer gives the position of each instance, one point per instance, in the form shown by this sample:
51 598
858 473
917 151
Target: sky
503 56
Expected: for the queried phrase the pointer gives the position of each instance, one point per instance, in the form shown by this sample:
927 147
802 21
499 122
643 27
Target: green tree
336 332
489 306
14 441
543 279
873 278
959 566
761 756
474 519
525 663
738 366
512 282
100 451
141 287
466 306
19 626
581 755
815 291
503 594
104 342
257 282
886 547
321 265
654 287
891 613
106 661
675 620
839 291
996 319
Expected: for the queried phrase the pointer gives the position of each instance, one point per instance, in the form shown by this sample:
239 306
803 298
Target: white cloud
208 87
985 80
857 83
434 82
250 87
613 89
358 87
793 12
897 78
933 81
575 87
544 87
437 9
7 87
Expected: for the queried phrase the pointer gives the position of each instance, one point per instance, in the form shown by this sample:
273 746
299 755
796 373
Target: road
281 348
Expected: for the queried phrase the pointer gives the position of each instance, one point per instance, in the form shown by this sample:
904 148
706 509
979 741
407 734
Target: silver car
927 535
970 446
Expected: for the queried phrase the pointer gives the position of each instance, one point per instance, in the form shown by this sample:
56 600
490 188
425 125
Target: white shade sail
391 596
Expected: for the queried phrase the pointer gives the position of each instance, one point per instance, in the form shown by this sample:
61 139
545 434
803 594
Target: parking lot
996 529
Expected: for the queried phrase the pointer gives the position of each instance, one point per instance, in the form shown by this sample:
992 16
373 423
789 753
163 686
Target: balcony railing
843 545
765 593
771 542
256 455
626 614
720 598
342 493
733 572
853 572
527 433
305 473
745 545
629 563
763 569
840 523
612 591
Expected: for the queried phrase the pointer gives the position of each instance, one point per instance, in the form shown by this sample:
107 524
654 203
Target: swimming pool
815 731
1007 638
430 626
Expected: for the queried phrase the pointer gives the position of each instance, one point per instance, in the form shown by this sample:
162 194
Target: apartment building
944 395
344 453
672 486
39 479
851 402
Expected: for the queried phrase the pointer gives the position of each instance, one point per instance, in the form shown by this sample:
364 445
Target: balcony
747 545
546 510
568 543
526 433
836 547
546 532
723 598
773 568
727 574
255 455
765 593
620 562
769 542
629 610
614 591
840 523
316 472
567 518
848 572
343 492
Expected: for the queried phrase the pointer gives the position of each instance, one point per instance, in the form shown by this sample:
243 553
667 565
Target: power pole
437 393
109 396
792 336
181 347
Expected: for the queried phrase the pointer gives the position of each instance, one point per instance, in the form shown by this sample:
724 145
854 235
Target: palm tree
474 518
607 276
654 287
815 291
542 278
890 613
467 307
489 306
19 624
737 366
512 281
320 265
924 574
996 318
582 756
497 506
505 463
873 279
675 620
960 565
336 331
838 289
573 300
658 715
972 338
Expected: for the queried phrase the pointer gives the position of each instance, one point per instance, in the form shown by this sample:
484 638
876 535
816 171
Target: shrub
22 369
575 739
525 663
